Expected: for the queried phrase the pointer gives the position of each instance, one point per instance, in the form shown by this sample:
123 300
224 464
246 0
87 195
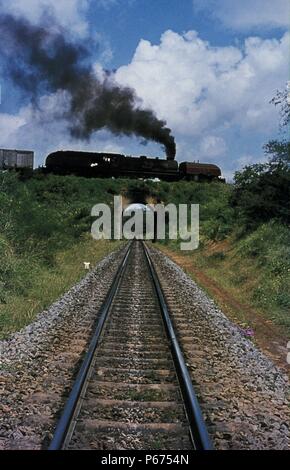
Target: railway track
133 390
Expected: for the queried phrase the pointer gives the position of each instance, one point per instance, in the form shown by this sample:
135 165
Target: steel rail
199 434
67 416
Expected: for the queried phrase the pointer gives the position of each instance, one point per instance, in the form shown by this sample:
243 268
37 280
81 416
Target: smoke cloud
41 58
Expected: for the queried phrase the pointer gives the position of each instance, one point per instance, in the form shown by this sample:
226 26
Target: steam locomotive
107 165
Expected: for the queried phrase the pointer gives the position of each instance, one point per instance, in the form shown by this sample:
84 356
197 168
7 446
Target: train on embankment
107 165
110 165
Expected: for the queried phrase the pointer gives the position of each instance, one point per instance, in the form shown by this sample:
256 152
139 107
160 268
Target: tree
279 151
262 191
282 99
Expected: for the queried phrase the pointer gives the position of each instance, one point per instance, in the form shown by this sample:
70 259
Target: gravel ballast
40 362
244 396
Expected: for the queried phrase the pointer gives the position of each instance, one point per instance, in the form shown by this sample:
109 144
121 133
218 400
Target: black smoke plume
42 58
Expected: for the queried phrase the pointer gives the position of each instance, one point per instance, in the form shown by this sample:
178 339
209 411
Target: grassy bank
44 239
245 273
45 224
251 264
46 283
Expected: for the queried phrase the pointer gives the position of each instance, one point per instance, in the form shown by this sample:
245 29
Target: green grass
45 227
254 269
48 283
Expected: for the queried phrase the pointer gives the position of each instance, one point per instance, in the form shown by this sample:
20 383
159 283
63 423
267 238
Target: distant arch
136 206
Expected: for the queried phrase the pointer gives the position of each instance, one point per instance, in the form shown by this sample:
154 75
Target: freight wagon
16 159
199 171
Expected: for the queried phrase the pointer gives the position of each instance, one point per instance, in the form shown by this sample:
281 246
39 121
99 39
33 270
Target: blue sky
124 23
146 19
207 67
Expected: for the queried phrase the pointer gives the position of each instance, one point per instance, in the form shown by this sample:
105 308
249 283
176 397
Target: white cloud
69 13
9 124
247 14
212 146
36 128
246 160
198 88
216 100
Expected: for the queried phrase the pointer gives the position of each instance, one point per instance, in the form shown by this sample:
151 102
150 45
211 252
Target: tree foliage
282 100
262 191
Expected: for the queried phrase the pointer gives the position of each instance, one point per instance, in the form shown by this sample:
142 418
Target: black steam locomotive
107 165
